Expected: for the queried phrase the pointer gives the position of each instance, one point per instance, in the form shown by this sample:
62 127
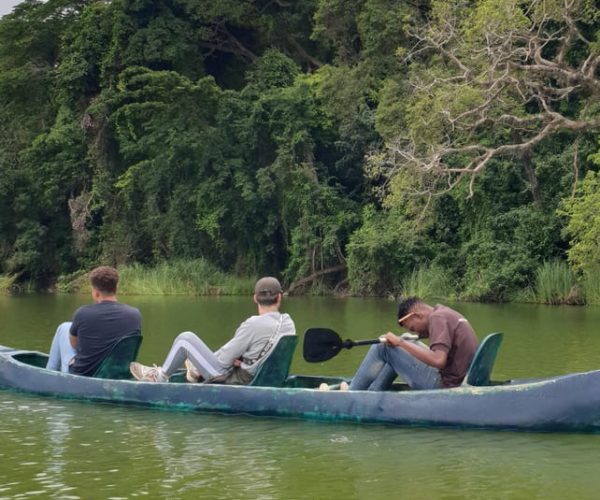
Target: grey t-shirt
97 328
250 339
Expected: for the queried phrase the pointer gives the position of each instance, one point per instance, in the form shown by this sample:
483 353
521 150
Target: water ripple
75 450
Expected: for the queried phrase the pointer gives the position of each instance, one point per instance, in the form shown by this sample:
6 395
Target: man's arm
437 359
232 350
73 330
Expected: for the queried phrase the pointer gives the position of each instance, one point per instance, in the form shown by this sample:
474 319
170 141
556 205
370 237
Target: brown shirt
450 332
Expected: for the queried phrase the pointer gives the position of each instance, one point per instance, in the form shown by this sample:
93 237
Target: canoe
563 403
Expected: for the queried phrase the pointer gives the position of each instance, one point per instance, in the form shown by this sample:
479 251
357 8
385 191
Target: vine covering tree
497 80
338 143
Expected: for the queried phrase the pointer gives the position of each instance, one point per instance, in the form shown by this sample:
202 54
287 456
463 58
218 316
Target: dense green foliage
297 138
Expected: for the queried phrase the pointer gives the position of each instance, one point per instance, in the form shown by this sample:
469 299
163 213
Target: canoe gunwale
565 403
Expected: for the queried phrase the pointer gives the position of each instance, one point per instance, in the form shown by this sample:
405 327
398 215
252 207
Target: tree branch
508 89
314 276
305 55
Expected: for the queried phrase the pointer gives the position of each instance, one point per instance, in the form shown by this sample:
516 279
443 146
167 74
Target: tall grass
427 282
591 286
555 283
181 277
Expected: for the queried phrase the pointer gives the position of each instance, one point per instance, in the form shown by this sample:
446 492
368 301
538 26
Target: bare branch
305 55
238 45
222 40
508 89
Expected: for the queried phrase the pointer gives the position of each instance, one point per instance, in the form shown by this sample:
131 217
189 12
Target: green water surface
52 448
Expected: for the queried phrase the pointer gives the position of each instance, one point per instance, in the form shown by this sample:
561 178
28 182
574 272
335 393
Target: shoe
192 375
324 387
148 373
344 386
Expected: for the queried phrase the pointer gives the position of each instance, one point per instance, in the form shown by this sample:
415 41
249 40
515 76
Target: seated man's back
97 328
80 346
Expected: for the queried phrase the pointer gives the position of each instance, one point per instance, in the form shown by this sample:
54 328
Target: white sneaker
192 375
148 373
343 386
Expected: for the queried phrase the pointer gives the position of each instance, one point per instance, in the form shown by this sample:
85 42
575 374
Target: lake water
51 448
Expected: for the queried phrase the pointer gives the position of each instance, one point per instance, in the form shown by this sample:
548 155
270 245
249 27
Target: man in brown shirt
452 345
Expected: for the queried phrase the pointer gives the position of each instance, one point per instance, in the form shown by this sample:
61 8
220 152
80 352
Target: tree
162 125
583 225
37 160
495 80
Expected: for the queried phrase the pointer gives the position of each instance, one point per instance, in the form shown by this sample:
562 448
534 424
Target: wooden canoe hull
564 403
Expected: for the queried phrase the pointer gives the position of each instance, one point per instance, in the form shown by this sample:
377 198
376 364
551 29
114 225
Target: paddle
321 344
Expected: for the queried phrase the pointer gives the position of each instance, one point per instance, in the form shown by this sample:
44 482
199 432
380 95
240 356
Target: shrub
7 282
427 282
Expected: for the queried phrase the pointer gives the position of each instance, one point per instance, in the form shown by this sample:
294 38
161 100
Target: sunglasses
404 318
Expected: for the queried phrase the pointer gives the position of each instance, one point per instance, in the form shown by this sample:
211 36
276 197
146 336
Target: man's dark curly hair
407 304
105 279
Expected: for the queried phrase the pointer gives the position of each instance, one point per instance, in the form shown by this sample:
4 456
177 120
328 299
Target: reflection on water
77 450
62 449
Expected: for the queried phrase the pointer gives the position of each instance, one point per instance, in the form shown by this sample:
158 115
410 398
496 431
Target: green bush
503 253
583 225
427 282
72 283
382 252
495 271
6 282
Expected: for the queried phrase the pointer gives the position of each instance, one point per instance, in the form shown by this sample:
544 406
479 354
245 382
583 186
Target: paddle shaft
349 344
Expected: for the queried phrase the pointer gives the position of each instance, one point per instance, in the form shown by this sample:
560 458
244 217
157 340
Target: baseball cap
268 287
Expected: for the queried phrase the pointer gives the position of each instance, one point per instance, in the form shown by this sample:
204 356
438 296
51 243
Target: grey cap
268 287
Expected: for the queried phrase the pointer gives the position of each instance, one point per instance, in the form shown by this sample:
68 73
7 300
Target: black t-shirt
97 328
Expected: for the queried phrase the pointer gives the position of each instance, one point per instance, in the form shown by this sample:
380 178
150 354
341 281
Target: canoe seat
116 364
480 371
275 369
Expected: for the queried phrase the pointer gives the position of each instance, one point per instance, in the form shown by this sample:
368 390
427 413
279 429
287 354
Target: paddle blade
320 344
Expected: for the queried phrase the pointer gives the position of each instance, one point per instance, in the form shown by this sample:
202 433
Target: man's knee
378 349
186 337
393 354
64 329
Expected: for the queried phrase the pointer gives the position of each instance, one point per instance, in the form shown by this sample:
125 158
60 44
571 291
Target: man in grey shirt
239 359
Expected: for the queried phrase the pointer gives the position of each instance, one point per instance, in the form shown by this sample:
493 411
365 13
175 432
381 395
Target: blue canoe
563 403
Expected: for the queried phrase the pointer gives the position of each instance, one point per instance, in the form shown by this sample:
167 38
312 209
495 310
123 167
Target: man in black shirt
81 345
